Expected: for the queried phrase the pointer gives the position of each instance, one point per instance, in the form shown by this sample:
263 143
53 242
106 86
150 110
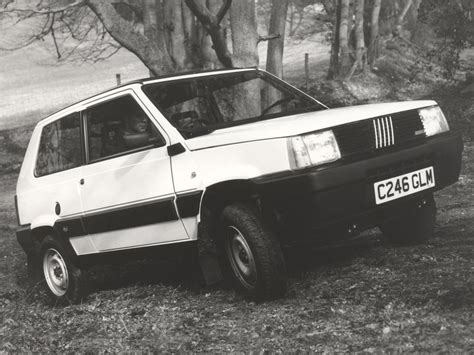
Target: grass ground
369 297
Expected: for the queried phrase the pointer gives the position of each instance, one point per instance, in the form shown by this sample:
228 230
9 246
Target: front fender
44 221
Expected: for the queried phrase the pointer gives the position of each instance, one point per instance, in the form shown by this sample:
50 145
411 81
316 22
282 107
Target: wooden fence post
306 70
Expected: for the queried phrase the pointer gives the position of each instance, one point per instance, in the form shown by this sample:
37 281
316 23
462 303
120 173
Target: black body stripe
123 218
188 204
129 217
70 227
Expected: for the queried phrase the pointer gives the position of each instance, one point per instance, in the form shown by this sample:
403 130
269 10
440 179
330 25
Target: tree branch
212 24
223 10
58 53
268 37
201 12
144 47
44 12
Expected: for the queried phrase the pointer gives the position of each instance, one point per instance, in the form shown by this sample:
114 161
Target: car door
59 159
127 188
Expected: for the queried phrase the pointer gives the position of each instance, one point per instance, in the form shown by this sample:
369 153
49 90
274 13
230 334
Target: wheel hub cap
241 258
55 272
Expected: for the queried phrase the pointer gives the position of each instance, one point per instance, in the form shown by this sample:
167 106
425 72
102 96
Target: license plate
403 185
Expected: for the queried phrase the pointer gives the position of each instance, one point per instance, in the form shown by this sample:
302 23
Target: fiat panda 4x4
258 162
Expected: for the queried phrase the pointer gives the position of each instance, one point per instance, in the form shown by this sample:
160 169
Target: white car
258 162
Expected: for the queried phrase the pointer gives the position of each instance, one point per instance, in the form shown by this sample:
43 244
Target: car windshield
204 104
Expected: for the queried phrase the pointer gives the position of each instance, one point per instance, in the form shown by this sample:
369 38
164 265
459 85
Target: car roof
157 79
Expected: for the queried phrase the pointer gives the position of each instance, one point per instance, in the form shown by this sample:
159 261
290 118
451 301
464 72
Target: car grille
380 134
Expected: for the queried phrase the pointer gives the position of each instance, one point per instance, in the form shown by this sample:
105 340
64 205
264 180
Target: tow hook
421 204
352 229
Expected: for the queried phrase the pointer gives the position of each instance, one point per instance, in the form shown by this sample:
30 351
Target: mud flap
210 267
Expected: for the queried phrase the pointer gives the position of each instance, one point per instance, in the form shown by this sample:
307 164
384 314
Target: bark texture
148 47
212 23
244 33
360 60
373 51
345 60
275 46
397 31
333 9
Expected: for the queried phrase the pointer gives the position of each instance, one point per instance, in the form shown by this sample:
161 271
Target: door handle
81 181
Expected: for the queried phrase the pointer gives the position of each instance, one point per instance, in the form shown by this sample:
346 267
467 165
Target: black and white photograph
221 176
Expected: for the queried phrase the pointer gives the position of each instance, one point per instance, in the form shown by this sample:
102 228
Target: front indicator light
313 149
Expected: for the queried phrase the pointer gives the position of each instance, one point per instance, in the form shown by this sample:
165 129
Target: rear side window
118 127
60 146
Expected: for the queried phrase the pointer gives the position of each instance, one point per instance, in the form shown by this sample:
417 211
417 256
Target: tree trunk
292 18
244 47
275 46
334 58
191 31
359 39
146 46
244 33
212 23
174 30
397 31
345 60
208 55
373 52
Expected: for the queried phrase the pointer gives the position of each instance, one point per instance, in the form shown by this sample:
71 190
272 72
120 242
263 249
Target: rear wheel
63 280
415 226
253 254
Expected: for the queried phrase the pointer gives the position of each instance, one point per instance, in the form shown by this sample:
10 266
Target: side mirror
175 149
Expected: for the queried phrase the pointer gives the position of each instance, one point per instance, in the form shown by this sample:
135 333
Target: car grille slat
380 134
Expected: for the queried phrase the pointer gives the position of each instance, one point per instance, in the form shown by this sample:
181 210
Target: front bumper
342 195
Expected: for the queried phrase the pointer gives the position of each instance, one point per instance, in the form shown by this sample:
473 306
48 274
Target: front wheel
253 254
414 226
63 280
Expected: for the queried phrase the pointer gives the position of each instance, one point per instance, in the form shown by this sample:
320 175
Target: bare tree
333 10
294 24
244 33
361 58
163 34
212 23
345 60
397 30
75 32
277 27
373 51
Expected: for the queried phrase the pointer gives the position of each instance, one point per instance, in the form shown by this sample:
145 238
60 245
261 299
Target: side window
118 127
60 146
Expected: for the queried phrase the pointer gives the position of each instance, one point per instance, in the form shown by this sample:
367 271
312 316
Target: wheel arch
218 195
40 232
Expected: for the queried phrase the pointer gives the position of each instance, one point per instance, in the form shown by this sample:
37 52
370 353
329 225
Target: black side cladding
188 204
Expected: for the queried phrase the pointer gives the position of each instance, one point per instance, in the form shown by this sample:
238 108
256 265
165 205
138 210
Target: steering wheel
276 103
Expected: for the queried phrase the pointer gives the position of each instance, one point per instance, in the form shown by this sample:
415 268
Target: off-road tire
415 226
75 289
243 221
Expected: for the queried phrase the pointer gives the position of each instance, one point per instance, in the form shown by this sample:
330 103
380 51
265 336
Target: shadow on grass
302 259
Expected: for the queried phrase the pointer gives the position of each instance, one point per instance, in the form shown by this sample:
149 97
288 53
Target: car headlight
433 120
312 149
